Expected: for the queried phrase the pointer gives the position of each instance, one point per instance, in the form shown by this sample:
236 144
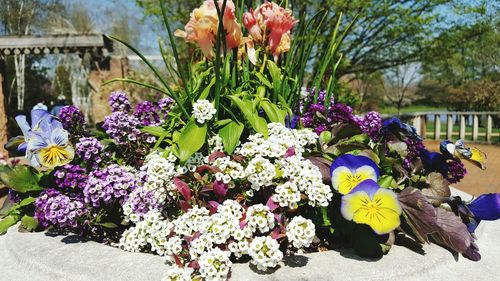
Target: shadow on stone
68 238
351 254
296 261
263 272
407 242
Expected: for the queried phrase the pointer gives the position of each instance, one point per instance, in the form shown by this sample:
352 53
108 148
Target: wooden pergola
97 47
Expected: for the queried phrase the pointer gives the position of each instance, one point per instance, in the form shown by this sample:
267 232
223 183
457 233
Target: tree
400 85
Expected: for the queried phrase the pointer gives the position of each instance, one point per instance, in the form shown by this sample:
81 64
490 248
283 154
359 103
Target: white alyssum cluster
307 178
219 227
203 111
279 141
215 144
155 176
231 170
178 274
260 218
191 221
231 208
300 232
261 172
153 231
265 252
215 265
287 195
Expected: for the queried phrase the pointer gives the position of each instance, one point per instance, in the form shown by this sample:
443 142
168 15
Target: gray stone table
37 256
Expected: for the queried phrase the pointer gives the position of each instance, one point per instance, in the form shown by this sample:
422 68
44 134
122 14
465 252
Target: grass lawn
410 109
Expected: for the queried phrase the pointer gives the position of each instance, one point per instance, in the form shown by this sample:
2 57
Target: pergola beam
55 44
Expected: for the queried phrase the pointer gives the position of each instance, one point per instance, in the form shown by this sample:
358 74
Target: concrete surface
36 256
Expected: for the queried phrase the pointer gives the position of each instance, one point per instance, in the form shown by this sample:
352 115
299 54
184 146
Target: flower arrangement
238 163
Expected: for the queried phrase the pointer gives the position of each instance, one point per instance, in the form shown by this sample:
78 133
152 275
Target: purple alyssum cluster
54 208
72 120
70 178
141 201
122 127
106 185
119 102
370 124
90 150
147 113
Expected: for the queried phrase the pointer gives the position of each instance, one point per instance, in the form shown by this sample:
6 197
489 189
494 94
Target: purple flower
14 196
119 102
106 185
141 201
394 125
165 105
146 112
121 127
371 124
434 162
414 147
486 207
69 177
54 208
90 150
340 113
456 171
72 119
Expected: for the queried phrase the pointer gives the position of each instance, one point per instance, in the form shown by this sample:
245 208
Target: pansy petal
368 186
36 141
382 222
55 155
433 161
486 207
23 124
353 203
59 137
354 162
387 199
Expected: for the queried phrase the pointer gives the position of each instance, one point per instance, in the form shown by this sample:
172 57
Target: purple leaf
183 188
220 188
217 154
421 215
271 204
290 152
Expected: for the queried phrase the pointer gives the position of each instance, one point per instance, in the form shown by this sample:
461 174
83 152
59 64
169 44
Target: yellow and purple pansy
372 205
347 171
46 143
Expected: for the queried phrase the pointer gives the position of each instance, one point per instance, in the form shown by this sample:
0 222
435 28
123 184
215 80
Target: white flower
261 172
215 265
319 194
203 111
231 208
287 195
199 246
219 227
191 222
215 144
259 218
265 252
300 232
178 274
239 248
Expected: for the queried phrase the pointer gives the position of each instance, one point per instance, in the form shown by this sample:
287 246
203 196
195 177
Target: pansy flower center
53 155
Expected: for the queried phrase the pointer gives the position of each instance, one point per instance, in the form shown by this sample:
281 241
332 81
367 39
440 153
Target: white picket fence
464 119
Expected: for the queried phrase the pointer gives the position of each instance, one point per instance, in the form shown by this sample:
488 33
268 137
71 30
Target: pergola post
3 113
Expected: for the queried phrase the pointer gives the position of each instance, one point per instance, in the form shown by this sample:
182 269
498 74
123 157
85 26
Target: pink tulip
273 21
203 26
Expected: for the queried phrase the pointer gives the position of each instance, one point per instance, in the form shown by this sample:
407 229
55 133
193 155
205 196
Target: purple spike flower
456 171
371 124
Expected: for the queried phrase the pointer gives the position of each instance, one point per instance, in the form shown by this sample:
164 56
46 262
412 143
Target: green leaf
272 111
263 80
230 135
7 222
191 139
387 181
258 123
20 178
29 223
108 225
154 131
